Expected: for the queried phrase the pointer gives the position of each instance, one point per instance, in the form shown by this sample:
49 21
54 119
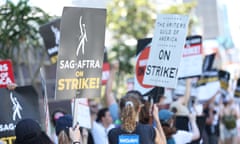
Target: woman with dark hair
131 130
28 131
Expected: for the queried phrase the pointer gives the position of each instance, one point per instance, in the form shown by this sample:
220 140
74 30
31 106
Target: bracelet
77 142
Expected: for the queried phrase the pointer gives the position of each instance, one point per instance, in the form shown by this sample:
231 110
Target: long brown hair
129 106
63 138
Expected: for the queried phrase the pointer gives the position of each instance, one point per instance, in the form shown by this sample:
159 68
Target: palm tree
20 38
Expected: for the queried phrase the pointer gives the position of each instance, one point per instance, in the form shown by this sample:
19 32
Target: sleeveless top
145 132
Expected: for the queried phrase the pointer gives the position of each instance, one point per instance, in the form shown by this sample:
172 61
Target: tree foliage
128 21
183 8
19 34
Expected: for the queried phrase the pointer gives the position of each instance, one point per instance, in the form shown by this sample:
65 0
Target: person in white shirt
102 126
175 136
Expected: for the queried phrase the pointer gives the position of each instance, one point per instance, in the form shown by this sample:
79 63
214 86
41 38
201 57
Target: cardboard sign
81 112
17 105
6 73
191 63
80 57
51 37
166 52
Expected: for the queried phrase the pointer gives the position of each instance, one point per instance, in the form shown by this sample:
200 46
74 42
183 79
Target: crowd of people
134 119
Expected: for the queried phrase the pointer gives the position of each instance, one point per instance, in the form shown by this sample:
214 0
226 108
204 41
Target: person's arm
108 93
109 97
187 91
158 125
195 130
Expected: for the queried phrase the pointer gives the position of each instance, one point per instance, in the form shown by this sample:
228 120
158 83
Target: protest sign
237 89
208 62
62 105
207 77
143 48
45 103
105 69
166 51
50 33
16 105
6 73
81 112
80 57
148 91
224 77
192 60
207 91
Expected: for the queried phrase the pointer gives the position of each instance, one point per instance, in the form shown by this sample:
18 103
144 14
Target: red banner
105 72
6 73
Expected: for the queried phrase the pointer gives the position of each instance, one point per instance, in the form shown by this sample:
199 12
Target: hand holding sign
11 86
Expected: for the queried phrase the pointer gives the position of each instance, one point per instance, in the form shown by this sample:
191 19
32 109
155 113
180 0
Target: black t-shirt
146 134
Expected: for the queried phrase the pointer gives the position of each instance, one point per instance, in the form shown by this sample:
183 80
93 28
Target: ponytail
129 106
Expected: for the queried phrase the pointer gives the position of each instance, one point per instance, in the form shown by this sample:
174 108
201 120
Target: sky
55 7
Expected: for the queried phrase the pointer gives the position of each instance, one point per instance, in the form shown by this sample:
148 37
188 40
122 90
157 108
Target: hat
165 115
27 129
63 123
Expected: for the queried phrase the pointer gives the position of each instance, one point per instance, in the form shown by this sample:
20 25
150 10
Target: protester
173 135
67 134
28 131
131 129
229 116
54 117
102 126
211 112
94 107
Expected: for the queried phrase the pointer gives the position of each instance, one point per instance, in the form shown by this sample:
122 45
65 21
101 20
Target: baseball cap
63 123
165 115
